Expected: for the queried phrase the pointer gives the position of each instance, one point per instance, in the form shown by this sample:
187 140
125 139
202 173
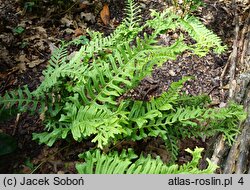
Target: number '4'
241 181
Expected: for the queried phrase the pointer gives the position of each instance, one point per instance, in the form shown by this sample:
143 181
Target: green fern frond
168 98
59 69
195 101
78 64
163 21
121 71
94 120
205 38
21 99
49 138
141 111
188 168
168 118
197 122
227 120
133 15
125 32
129 163
105 80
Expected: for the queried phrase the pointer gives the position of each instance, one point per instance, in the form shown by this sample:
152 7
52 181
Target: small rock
89 17
222 105
172 73
175 36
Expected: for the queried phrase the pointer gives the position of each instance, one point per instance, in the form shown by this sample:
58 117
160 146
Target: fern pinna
79 96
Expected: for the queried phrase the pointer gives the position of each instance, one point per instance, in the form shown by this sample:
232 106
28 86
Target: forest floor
30 32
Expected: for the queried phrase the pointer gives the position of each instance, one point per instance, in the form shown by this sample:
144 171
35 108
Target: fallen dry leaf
52 47
105 14
67 21
78 32
42 32
84 4
21 67
69 31
22 59
89 17
35 63
40 45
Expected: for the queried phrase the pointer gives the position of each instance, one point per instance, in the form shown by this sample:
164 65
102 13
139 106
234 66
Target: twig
16 123
224 71
234 55
77 2
46 160
245 41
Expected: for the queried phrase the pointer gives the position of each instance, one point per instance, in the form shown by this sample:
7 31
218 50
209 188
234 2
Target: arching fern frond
139 109
22 99
59 69
129 163
205 38
95 120
49 138
78 64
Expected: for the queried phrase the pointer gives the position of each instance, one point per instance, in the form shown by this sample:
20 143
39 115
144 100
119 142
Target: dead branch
237 160
234 54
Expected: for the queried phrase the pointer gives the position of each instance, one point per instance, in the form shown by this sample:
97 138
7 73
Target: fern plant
79 96
129 163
